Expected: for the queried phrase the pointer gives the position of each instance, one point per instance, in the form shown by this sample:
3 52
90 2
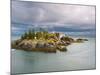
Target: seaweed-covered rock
62 48
85 39
67 39
81 40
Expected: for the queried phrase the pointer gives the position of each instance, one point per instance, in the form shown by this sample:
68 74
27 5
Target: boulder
81 40
40 45
62 48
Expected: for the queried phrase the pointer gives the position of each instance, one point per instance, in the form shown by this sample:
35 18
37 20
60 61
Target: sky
76 20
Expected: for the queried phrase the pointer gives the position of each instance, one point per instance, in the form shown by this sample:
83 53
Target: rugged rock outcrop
43 41
81 40
31 45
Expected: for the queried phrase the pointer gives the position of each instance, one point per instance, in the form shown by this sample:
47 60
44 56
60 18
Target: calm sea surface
79 56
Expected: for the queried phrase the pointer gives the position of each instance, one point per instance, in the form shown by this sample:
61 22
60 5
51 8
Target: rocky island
43 41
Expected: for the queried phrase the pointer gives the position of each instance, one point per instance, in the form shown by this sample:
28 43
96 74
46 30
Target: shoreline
44 41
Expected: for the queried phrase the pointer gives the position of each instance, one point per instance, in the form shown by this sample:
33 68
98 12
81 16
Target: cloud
60 17
32 12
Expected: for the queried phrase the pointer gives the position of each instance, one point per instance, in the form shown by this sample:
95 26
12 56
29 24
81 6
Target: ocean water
80 56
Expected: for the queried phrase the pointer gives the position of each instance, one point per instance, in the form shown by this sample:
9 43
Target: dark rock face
17 42
62 48
63 43
81 40
67 40
44 45
85 39
39 45
50 50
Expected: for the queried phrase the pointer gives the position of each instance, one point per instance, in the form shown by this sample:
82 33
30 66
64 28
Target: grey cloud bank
77 18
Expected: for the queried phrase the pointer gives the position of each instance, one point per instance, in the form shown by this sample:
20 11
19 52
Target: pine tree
33 34
22 37
25 35
29 34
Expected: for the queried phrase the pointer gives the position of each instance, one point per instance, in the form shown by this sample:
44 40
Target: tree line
41 34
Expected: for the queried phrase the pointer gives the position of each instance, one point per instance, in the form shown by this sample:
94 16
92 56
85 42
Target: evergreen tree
33 34
25 35
22 37
29 34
